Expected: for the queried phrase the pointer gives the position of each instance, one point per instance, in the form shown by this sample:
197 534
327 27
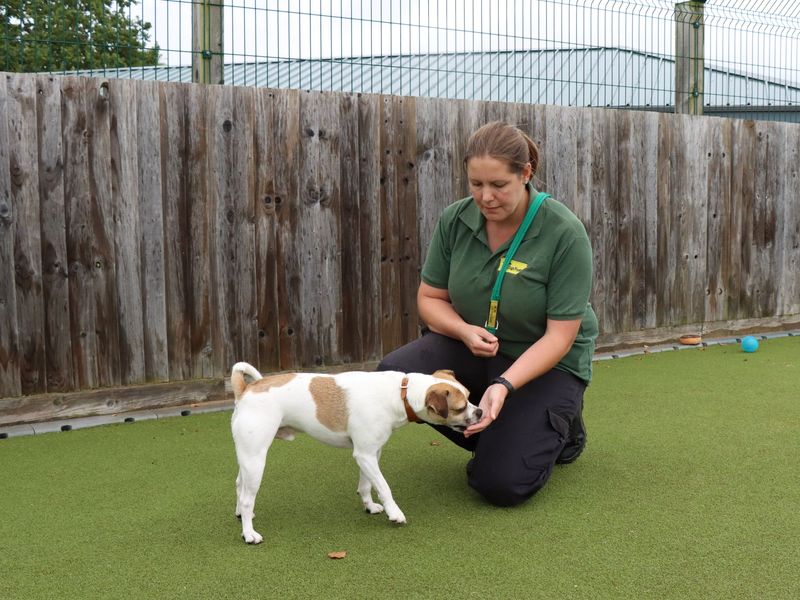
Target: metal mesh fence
593 53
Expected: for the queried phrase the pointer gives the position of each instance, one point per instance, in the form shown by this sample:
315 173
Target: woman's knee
506 487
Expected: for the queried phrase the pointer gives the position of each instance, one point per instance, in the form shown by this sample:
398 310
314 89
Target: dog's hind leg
368 462
252 457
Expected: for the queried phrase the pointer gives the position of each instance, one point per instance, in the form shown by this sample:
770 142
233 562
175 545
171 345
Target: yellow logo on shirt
514 267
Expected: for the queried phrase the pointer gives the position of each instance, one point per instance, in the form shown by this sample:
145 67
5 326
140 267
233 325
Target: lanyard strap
491 324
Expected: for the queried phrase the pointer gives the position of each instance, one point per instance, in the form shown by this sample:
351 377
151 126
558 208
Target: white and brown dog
354 409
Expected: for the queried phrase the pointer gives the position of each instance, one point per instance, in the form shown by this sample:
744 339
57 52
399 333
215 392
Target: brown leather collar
410 414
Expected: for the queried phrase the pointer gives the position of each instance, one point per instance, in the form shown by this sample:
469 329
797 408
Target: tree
62 35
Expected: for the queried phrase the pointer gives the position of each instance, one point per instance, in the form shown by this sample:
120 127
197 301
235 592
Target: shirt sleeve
570 282
436 270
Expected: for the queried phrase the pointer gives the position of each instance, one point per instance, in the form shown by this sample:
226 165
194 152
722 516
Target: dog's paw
399 518
252 538
373 508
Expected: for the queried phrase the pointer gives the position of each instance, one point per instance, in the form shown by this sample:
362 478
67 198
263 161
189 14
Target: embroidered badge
514 267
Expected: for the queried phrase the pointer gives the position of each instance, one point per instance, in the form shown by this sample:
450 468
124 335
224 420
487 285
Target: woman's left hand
492 403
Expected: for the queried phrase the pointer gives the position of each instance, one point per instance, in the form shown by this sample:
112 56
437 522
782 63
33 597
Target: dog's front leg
365 491
368 462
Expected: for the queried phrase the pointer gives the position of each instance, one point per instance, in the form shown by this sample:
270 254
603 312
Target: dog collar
410 414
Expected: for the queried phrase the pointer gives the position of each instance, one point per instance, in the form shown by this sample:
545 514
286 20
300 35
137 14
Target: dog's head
447 403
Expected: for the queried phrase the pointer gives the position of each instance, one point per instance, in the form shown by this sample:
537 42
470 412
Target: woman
522 345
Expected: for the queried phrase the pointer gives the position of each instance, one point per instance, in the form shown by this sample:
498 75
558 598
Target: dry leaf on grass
337 554
434 443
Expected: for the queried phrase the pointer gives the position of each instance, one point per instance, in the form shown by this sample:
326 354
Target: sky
760 37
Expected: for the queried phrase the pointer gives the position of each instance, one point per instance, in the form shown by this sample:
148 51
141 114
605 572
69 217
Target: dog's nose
478 412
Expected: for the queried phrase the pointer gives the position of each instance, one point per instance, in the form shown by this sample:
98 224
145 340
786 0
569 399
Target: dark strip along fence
159 232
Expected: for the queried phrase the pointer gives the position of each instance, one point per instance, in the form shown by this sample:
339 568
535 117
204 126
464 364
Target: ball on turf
749 344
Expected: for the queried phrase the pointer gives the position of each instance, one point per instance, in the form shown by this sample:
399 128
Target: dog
354 409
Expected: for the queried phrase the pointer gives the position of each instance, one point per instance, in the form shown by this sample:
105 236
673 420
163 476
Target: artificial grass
689 488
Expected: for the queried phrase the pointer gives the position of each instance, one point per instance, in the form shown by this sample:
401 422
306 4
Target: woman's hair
505 143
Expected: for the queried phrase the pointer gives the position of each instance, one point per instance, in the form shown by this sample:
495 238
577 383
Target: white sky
257 29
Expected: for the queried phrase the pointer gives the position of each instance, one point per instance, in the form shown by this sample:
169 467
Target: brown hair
506 143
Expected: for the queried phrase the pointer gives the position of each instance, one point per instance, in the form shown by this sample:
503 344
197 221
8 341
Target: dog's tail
238 372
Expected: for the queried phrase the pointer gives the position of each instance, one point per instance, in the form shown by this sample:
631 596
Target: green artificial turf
689 488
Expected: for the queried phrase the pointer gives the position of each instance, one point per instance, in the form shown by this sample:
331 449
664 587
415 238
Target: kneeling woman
505 298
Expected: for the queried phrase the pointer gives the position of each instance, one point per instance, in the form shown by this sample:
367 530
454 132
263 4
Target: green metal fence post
207 55
689 57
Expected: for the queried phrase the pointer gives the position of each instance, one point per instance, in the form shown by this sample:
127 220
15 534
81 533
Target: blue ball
749 344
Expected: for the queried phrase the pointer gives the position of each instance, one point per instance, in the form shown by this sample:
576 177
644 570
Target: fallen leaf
434 443
337 554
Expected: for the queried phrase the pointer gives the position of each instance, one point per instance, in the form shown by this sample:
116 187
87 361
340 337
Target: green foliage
43 35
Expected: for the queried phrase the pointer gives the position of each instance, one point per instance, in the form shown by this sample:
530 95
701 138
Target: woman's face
500 194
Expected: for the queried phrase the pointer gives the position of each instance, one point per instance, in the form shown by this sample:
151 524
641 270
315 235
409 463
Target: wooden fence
154 232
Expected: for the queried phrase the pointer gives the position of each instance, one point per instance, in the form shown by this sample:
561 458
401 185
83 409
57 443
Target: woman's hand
492 403
479 341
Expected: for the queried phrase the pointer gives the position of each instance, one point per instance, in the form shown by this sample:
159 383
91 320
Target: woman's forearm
544 354
440 316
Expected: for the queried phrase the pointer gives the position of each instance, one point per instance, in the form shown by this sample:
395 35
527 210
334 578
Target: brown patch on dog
330 401
445 374
267 383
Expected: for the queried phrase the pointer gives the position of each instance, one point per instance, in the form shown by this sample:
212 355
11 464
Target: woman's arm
545 353
436 310
535 361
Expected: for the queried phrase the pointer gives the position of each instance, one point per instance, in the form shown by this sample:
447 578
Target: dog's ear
445 374
436 400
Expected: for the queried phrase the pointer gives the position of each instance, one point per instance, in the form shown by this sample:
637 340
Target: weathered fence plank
627 262
407 231
199 216
233 240
643 152
741 208
265 148
151 223
286 111
391 303
23 156
352 284
316 240
469 117
103 267
77 208
176 230
604 214
770 145
9 333
434 172
719 248
124 140
787 280
54 244
369 189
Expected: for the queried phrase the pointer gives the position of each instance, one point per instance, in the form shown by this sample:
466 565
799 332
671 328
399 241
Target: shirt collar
471 216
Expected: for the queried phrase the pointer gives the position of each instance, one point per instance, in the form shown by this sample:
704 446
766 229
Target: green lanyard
491 324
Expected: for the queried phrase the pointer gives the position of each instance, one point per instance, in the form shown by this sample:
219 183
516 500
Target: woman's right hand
439 315
479 341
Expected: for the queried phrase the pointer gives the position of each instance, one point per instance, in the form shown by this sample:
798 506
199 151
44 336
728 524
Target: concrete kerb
222 405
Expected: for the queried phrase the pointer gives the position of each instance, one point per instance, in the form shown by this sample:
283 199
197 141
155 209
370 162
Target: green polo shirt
550 277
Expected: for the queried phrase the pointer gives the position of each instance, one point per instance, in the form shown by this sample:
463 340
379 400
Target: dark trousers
514 456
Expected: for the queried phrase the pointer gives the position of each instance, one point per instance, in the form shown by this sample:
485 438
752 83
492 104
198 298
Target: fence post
207 55
689 57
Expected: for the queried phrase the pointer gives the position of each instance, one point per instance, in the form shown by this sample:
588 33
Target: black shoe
576 442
